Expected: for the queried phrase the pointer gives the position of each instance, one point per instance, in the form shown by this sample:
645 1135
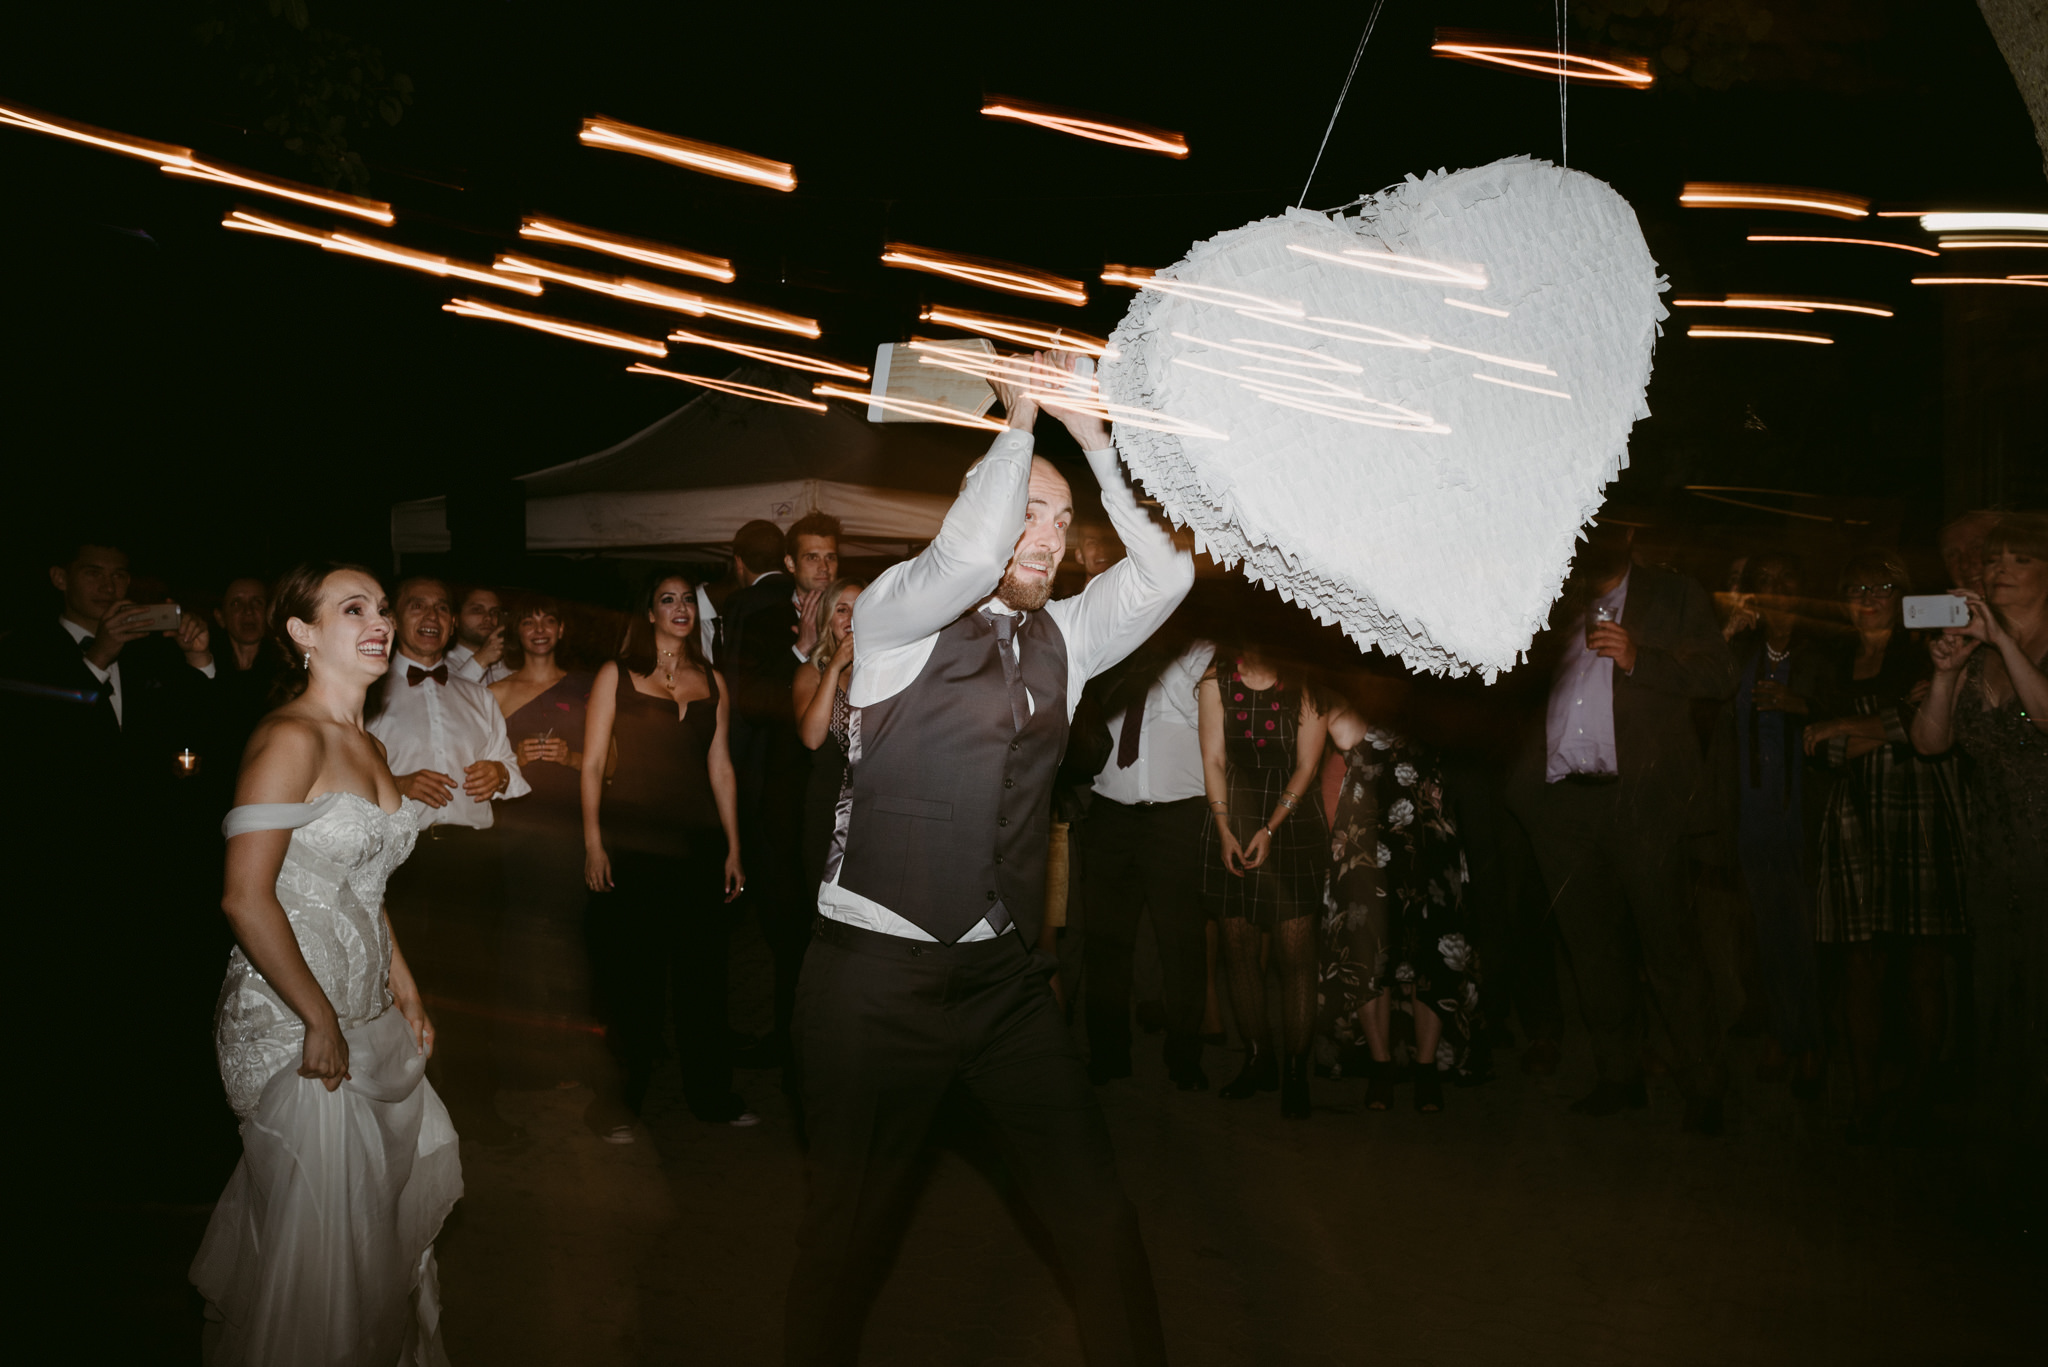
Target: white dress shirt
1579 726
111 675
897 619
1169 763
707 619
444 727
461 662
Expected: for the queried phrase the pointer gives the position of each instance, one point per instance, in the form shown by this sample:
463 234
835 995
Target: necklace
1777 656
669 669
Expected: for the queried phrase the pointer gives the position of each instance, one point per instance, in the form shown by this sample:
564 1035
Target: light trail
1019 330
1707 194
1476 308
375 210
1139 137
1483 49
791 359
639 249
1949 244
1384 337
1952 222
560 327
661 296
1125 415
1406 267
1788 303
245 221
1314 360
1846 242
1975 280
1131 278
978 270
928 412
1516 384
1730 304
35 121
1761 334
688 153
745 391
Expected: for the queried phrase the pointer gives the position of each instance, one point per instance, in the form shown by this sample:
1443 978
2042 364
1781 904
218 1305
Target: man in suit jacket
1609 791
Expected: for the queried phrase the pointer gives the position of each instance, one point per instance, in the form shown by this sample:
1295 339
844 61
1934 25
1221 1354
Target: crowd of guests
1345 876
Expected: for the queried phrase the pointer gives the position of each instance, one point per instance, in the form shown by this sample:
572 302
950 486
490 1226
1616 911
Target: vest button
1002 821
1015 746
991 896
1009 783
999 861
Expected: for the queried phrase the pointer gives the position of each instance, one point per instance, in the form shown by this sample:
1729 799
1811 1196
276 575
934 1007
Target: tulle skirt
321 1250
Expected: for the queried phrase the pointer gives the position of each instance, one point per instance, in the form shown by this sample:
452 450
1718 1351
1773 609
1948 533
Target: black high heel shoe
1294 1102
1261 1073
1429 1089
1379 1085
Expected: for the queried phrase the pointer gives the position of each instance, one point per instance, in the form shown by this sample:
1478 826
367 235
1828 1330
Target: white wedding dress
321 1250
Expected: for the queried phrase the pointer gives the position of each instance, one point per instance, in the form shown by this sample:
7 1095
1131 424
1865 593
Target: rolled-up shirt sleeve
1125 604
499 748
962 565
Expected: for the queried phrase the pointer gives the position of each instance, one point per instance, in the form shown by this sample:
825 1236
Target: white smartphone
1935 610
160 616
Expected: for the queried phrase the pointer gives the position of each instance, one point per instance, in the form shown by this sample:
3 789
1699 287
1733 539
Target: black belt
1592 780
1147 802
864 941
451 831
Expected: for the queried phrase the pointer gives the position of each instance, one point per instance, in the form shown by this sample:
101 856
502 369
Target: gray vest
951 805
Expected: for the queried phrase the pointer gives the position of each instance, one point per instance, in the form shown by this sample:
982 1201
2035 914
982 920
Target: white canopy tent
690 480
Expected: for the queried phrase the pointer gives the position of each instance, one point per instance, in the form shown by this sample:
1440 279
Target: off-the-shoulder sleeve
275 816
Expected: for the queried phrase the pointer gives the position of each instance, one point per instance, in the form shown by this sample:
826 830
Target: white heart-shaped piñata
1399 418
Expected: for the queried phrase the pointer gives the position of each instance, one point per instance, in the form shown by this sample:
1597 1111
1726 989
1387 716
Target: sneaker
619 1134
744 1120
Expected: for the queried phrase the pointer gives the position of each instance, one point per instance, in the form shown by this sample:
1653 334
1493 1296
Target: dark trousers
884 1027
1139 859
659 936
1617 882
447 905
1510 910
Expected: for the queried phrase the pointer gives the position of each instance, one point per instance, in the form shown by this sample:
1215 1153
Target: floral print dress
1395 911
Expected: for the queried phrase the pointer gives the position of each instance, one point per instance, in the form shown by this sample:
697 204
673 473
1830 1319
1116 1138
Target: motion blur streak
1799 199
1136 136
977 270
815 365
1847 242
1762 334
560 327
707 157
745 391
1019 330
929 412
631 248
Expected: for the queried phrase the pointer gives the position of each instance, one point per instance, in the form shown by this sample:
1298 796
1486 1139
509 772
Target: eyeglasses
1870 590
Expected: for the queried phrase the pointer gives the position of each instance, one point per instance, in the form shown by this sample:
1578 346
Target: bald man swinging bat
922 971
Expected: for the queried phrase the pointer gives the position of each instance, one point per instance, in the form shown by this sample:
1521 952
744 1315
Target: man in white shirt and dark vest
923 971
445 741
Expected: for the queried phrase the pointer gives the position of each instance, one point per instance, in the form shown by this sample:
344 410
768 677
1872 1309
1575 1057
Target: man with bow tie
923 972
444 739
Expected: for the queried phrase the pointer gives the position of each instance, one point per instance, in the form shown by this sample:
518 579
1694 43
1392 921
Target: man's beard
1025 595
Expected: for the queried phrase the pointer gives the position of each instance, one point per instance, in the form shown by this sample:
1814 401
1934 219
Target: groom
923 973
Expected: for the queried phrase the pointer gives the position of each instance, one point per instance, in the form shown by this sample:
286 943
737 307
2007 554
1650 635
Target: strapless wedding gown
321 1250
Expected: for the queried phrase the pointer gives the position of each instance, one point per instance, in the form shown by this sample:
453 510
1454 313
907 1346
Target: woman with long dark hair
321 1248
661 858
1265 854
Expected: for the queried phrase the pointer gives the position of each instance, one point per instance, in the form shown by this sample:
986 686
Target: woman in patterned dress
1265 856
1990 696
1891 842
1395 926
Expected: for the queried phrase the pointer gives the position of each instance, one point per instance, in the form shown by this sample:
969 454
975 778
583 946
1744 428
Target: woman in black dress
661 857
1265 856
823 719
547 978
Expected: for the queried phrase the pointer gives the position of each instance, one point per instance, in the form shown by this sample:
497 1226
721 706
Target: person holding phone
1990 697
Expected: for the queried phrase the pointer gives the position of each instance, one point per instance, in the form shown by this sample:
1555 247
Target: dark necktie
415 676
1020 701
1127 740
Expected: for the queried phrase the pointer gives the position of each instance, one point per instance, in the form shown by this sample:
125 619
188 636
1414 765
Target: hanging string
1364 38
1564 146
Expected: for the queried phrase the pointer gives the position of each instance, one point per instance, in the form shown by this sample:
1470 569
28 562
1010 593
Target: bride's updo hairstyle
297 594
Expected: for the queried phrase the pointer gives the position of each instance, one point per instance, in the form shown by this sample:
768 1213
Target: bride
322 1247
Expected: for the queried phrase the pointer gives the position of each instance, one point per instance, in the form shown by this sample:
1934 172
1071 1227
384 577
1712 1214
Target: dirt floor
1505 1230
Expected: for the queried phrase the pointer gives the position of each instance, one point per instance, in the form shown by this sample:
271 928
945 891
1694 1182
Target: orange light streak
1709 194
1131 277
1949 244
1018 330
930 412
1407 267
1019 368
35 121
745 391
1209 294
638 249
560 327
1461 45
1959 222
661 296
243 221
1517 384
376 210
994 275
1476 308
1139 137
814 364
1976 280
1761 334
1806 304
1731 304
1847 242
707 157
1124 415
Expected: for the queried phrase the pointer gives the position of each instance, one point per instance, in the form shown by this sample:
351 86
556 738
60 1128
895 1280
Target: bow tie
414 675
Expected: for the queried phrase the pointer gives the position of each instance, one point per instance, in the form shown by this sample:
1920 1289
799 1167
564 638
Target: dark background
235 402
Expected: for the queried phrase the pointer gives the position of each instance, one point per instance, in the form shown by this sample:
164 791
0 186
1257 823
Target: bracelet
1289 800
1217 805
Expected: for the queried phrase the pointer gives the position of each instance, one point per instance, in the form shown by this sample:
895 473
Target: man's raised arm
1126 603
